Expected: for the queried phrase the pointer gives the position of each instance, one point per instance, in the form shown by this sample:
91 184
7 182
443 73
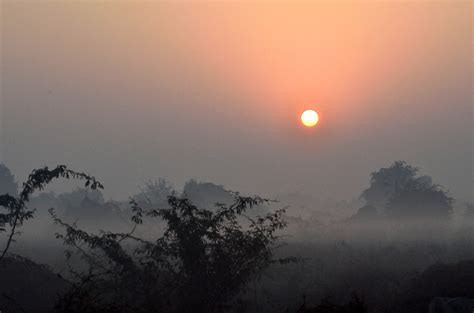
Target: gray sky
131 91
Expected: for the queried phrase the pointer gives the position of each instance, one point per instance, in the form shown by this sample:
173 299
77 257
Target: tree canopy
8 185
203 259
15 210
399 191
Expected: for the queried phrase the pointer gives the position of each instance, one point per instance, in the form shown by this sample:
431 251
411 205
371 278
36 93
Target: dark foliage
17 211
205 195
438 280
28 287
398 191
416 200
365 213
201 262
154 194
8 184
386 182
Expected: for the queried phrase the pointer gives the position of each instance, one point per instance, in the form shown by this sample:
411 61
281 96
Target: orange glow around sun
310 118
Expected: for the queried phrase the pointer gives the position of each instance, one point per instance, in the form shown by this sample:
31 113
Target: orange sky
213 90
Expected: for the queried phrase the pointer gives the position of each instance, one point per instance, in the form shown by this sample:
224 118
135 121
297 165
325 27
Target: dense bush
201 262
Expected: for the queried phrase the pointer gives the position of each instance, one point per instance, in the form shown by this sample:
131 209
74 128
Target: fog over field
243 156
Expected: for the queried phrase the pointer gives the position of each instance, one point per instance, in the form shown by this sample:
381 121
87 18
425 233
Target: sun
310 118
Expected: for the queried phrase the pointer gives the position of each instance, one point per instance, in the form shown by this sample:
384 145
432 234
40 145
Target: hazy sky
130 91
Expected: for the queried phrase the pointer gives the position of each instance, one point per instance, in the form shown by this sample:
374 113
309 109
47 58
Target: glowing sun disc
310 118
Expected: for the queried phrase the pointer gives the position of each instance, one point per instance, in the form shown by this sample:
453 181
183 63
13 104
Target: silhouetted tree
387 182
17 211
8 185
77 197
367 212
399 192
86 205
205 194
201 262
154 194
419 200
